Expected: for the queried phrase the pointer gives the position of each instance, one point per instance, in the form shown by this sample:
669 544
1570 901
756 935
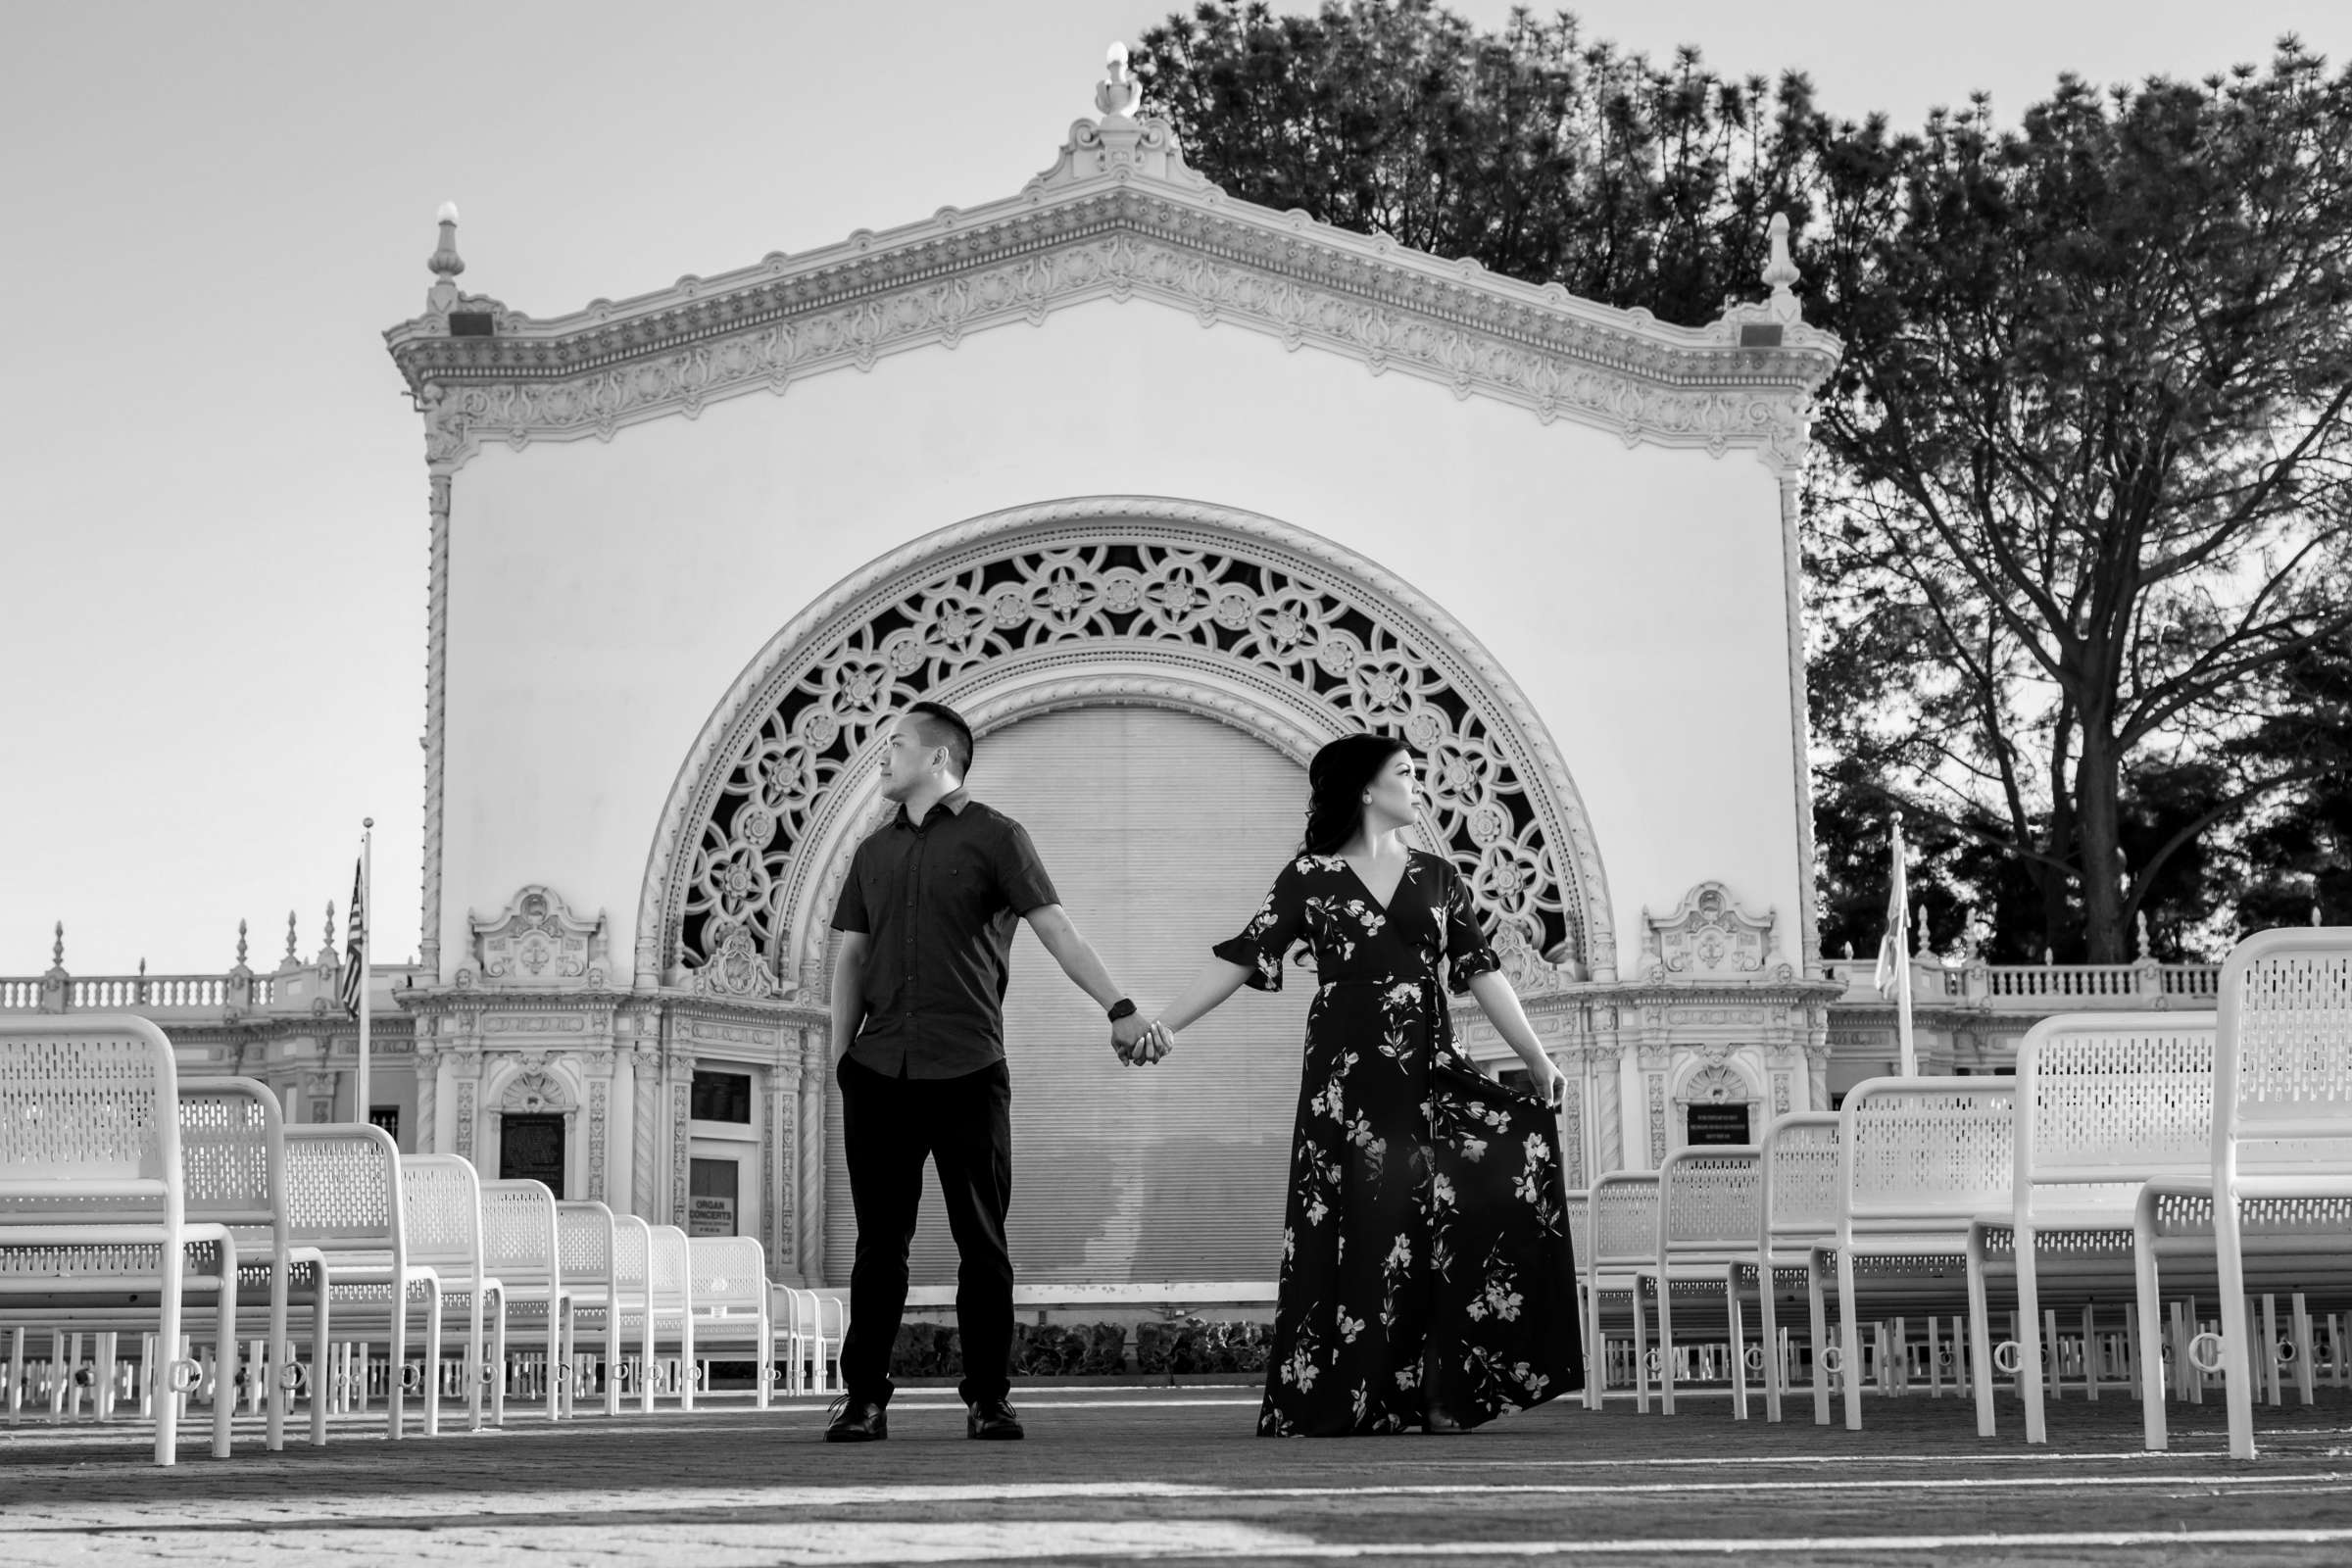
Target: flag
354 944
1895 951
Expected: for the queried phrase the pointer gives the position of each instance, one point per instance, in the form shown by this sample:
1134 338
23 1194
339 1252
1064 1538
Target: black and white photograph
803 783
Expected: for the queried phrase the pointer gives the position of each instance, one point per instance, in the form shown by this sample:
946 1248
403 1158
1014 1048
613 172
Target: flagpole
1903 967
368 919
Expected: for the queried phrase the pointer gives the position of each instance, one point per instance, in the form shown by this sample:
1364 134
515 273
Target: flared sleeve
1266 941
1468 955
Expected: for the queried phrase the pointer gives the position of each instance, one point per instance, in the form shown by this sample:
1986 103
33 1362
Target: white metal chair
441 1205
1797 1202
669 1309
1622 1210
1708 1209
520 1249
2105 1103
2275 1208
343 1195
1919 1162
90 1165
728 1306
632 1285
585 1237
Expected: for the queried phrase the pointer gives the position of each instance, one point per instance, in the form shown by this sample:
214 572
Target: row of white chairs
187 1219
2139 1163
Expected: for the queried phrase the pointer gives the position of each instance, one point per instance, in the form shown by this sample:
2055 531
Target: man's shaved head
941 725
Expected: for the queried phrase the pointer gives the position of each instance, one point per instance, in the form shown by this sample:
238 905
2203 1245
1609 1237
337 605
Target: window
723 1096
387 1117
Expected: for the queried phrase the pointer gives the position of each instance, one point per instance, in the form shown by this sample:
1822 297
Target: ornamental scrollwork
1271 615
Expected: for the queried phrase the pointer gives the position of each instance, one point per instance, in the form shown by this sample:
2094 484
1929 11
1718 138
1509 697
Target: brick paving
1173 1475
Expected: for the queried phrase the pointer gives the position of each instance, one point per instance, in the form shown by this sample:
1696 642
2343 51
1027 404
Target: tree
2090 462
2081 492
1547 158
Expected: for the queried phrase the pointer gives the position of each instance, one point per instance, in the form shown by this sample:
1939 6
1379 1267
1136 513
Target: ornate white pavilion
1163 490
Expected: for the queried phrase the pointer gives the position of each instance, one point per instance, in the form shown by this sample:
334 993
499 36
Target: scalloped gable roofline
1119 216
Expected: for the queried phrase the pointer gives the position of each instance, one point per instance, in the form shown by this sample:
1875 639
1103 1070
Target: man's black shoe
859 1421
993 1419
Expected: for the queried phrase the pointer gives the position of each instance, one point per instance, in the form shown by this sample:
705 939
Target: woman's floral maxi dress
1425 1256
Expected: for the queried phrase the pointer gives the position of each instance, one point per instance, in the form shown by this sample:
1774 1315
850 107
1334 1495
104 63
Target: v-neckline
1368 887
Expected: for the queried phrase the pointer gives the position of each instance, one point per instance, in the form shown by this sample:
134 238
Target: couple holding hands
1426 1282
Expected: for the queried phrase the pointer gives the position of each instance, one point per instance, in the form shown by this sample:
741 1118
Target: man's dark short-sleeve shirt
938 903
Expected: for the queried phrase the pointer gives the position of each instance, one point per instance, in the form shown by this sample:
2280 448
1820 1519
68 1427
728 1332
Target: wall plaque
1718 1124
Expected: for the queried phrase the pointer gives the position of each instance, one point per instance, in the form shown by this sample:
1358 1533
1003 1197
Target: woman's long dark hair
1336 781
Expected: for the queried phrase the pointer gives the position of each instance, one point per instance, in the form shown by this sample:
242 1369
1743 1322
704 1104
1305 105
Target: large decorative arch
1106 599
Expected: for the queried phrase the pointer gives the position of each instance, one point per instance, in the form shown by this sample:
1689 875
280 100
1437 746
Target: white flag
1895 951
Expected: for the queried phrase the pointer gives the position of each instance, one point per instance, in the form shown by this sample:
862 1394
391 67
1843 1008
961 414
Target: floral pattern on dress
1458 1290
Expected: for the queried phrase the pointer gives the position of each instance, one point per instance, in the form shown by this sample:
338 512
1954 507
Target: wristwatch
1121 1008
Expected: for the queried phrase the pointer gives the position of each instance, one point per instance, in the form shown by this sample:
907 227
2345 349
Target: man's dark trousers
965 1127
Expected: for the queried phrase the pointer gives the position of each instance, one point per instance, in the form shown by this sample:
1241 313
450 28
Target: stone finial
1118 94
290 958
57 948
2315 912
445 262
2139 923
240 943
1781 273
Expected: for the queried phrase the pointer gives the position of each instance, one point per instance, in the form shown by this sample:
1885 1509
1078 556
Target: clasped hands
1139 1041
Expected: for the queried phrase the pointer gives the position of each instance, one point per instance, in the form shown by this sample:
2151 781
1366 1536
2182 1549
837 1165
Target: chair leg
2033 1345
1821 1340
435 1323
1769 1326
2270 1350
1665 1345
1736 1318
321 1345
224 1391
2305 1372
2238 1363
1849 1335
1640 1353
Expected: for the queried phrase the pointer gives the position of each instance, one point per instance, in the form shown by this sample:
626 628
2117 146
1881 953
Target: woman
1426 1278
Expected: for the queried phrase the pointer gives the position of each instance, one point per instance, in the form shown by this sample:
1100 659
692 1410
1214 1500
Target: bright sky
213 521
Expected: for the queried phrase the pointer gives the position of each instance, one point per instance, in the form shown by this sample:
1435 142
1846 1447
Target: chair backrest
518 1233
584 1239
632 1254
794 1310
2114 1098
343 1188
1578 1211
1624 1218
2283 1059
730 1273
1925 1148
441 1205
90 1124
668 1274
1709 1198
1798 1184
232 1157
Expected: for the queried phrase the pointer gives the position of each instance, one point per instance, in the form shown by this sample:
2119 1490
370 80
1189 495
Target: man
926 931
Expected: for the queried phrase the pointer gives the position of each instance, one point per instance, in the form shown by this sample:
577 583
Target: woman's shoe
1437 1424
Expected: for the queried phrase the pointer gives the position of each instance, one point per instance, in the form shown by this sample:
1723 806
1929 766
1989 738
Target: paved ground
1173 1475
